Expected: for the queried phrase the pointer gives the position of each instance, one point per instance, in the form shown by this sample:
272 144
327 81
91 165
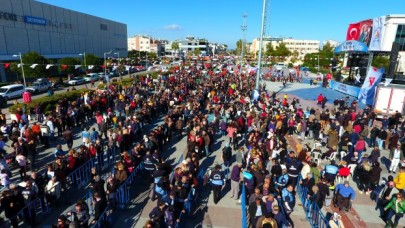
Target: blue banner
351 45
367 91
343 88
35 20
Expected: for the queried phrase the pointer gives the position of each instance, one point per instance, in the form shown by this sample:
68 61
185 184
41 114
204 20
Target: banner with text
367 91
343 88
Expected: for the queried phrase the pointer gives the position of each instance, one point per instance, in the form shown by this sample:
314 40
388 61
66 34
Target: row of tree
64 65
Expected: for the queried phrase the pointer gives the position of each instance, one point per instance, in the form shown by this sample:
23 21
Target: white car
90 77
76 81
12 91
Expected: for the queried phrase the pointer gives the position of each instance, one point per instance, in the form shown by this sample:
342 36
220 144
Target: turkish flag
353 32
6 65
64 67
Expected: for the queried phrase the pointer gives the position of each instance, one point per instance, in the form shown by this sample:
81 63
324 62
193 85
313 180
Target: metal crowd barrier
313 213
123 192
245 220
82 175
105 219
29 212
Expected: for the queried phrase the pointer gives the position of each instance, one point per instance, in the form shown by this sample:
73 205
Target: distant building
187 45
147 44
303 47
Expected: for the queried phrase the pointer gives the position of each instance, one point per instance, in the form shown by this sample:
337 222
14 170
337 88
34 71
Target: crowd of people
203 106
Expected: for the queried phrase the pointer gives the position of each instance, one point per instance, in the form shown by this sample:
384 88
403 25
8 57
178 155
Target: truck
389 99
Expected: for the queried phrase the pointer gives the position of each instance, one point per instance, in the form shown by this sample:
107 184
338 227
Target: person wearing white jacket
53 190
22 162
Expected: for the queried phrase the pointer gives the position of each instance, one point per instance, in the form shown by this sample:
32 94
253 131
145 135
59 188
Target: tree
67 65
381 62
91 59
175 46
327 51
29 59
282 50
269 49
197 51
239 46
152 55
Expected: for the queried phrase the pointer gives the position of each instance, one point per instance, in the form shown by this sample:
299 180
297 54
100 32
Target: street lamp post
260 46
22 67
117 53
84 59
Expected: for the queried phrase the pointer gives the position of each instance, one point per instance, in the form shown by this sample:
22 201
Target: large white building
303 47
54 32
147 44
189 45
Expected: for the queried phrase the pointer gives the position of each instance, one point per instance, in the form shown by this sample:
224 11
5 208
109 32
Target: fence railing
105 219
123 192
29 212
313 213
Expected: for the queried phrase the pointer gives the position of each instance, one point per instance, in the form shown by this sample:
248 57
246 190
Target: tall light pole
118 53
105 69
259 62
243 28
84 59
22 67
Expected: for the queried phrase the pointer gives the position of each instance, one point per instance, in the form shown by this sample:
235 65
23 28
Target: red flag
102 66
64 67
353 32
6 65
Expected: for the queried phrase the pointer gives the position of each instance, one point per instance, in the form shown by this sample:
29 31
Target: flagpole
22 67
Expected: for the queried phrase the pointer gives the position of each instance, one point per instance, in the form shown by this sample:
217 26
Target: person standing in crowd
256 210
289 202
217 180
396 155
235 180
396 207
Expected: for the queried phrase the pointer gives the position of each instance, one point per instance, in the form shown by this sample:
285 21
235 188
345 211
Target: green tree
327 51
175 46
282 50
381 62
91 59
152 55
269 49
67 65
197 51
239 46
29 59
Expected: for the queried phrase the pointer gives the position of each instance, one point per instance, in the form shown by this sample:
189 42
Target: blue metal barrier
123 192
243 207
313 213
30 212
105 219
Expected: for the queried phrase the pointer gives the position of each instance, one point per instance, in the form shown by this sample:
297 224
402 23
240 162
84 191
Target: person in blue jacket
345 194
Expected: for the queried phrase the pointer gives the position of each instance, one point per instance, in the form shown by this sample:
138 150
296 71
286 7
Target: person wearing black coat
100 204
256 210
316 197
157 215
374 176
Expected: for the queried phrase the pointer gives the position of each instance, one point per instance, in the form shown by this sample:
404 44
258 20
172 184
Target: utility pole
259 63
243 28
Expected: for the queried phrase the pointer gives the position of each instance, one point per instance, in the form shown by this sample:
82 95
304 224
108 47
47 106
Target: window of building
400 37
103 27
141 42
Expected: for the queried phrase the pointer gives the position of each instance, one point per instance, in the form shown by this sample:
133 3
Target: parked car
89 77
39 86
76 81
12 91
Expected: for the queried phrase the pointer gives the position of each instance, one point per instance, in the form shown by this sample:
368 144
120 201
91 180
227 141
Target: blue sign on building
34 20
